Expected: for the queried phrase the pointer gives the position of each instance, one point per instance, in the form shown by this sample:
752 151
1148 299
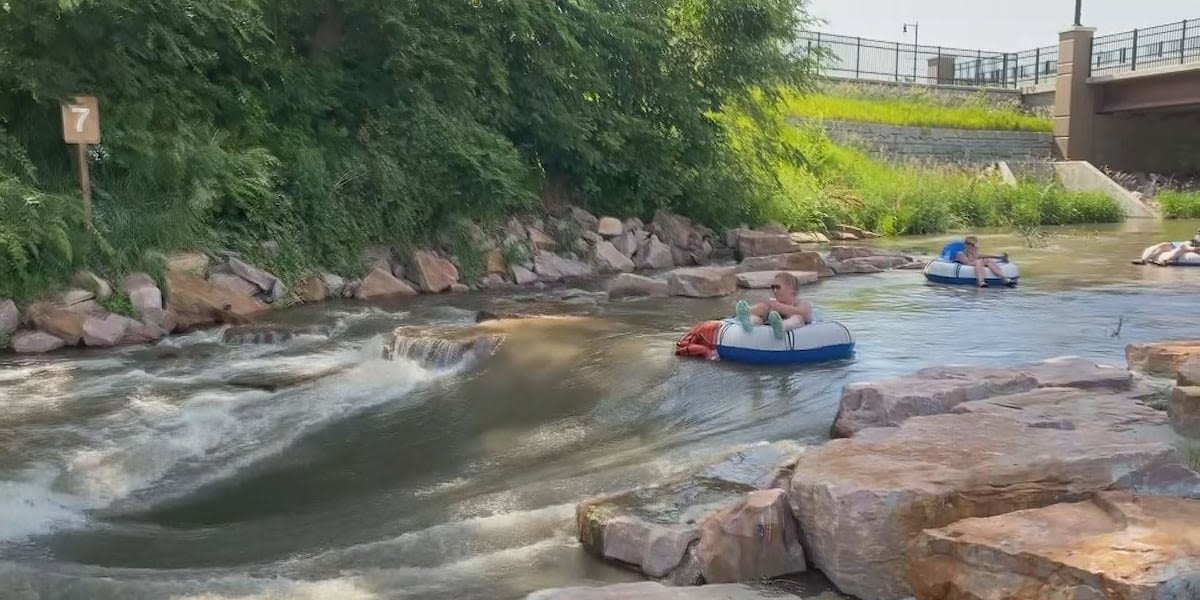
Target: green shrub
1179 204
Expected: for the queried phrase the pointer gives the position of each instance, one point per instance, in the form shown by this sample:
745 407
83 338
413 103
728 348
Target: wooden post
81 127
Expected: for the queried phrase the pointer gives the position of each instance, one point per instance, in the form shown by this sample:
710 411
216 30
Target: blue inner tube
817 342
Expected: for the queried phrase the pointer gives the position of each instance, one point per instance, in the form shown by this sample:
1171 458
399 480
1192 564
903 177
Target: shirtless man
785 311
1166 252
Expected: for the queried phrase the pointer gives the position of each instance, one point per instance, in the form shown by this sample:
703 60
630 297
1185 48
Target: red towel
700 341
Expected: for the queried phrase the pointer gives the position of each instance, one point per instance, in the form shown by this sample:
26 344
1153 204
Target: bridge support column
1074 100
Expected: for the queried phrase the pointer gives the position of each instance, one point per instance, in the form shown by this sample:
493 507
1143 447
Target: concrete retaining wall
945 145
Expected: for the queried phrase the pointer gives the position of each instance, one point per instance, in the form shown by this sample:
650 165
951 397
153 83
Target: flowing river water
314 469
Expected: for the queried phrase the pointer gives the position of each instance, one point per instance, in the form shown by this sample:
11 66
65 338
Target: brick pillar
1074 99
941 70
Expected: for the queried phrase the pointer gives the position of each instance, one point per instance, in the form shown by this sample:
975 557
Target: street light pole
1079 13
916 37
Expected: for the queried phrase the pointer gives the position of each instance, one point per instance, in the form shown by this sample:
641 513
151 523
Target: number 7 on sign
82 112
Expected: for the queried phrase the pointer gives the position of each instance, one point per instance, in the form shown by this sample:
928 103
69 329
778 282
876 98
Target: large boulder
702 282
1079 373
862 501
10 317
608 259
143 293
610 228
653 254
495 262
857 232
754 539
270 287
868 264
312 289
759 280
551 268
751 244
626 244
1162 358
1115 546
523 276
840 253
628 285
35 342
675 230
651 590
60 322
106 331
585 219
188 263
809 237
144 333
655 529
78 300
890 401
773 227
196 301
540 241
234 284
804 260
380 283
1189 372
94 283
434 273
1184 411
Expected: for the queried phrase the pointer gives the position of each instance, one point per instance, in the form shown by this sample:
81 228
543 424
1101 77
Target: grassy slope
917 110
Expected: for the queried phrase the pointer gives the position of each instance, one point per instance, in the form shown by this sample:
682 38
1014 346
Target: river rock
651 590
434 273
1188 372
675 230
804 260
655 255
94 283
702 282
145 333
754 539
861 501
586 220
1079 373
196 301
10 317
64 324
107 331
189 263
608 259
1184 411
626 244
628 285
523 276
857 232
234 284
268 334
540 241
495 262
842 236
143 293
752 244
1114 546
272 288
609 227
35 342
381 284
1162 358
868 264
808 237
551 268
759 280
840 253
78 300
312 289
773 227
890 401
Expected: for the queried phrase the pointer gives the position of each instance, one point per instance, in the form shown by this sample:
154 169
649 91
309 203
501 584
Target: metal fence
1165 45
862 58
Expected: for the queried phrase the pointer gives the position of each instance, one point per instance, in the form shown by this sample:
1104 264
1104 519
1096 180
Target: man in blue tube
967 253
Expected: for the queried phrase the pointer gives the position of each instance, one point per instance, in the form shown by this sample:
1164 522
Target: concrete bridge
1130 102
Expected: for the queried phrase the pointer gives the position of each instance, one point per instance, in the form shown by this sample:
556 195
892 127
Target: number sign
81 121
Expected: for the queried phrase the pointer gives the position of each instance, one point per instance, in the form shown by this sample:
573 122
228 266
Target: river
156 473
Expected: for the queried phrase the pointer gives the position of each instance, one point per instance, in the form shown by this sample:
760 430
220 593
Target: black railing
1165 45
862 58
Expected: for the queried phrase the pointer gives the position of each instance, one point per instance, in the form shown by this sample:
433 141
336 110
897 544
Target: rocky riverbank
1062 479
676 257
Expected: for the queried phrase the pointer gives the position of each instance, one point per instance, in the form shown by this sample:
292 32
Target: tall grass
1179 204
913 109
